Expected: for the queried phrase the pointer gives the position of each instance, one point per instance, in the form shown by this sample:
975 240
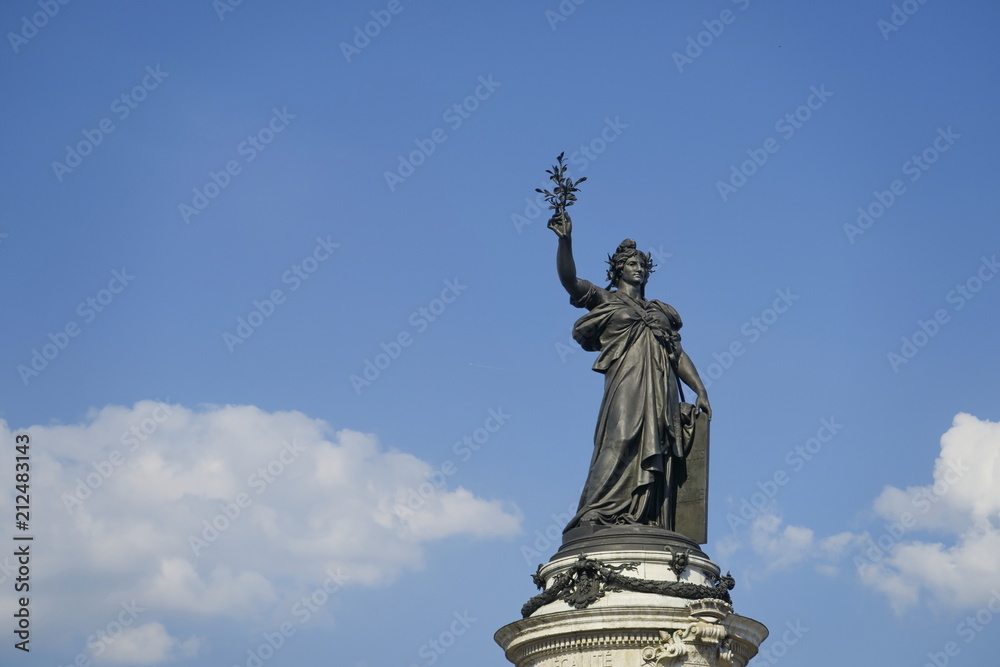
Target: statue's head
619 262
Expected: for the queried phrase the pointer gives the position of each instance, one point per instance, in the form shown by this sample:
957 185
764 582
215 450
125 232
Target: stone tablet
692 495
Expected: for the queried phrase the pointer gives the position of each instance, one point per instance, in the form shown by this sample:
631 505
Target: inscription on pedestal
594 659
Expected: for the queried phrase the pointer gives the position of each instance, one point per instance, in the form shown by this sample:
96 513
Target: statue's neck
630 290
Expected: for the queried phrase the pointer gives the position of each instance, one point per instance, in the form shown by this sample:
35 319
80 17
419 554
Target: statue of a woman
638 450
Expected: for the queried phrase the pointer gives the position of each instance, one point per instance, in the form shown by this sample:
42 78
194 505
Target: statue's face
634 272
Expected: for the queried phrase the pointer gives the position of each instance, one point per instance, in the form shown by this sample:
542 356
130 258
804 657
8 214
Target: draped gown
637 454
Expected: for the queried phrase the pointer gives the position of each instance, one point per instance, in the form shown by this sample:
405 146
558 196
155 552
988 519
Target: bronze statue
639 447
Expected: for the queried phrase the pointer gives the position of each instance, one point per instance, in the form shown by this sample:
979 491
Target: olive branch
562 194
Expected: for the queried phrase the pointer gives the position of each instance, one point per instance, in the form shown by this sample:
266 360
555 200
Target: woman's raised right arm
565 266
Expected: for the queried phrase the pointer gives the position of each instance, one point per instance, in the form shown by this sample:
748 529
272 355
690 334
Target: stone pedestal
630 596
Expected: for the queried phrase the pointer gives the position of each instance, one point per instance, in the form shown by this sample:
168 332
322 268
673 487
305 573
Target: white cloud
964 489
456 513
147 644
962 507
224 511
780 547
178 587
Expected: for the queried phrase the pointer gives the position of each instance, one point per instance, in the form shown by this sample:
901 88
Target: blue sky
220 217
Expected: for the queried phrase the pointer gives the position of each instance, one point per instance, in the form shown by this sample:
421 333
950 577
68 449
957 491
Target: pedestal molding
649 632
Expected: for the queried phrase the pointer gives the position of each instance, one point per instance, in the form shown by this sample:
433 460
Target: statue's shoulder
671 313
591 297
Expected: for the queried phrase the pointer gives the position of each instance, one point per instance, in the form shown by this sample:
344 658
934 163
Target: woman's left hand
702 403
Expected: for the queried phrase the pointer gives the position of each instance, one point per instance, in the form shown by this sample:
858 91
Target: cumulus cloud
936 542
147 644
782 546
960 507
223 511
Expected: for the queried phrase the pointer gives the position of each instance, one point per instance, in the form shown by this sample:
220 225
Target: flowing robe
637 450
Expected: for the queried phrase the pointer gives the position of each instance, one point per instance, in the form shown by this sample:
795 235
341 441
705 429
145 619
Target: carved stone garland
588 580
